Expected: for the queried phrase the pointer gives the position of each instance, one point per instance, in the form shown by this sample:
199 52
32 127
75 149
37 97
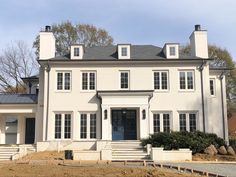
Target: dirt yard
51 164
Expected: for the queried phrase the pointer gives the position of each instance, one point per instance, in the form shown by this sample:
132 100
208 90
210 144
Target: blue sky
128 21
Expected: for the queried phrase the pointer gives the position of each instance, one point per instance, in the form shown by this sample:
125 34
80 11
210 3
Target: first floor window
88 125
187 122
161 122
160 80
63 80
186 80
124 80
88 80
62 126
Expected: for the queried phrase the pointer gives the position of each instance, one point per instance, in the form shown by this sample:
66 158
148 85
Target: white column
2 129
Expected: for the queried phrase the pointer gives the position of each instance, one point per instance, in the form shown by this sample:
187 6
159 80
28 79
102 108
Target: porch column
144 122
2 129
106 123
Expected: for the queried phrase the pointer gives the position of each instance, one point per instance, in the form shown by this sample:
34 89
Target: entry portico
119 108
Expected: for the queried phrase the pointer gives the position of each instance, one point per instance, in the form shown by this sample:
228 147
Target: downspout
222 103
47 108
201 67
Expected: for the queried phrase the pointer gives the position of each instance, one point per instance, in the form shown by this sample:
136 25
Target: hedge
196 141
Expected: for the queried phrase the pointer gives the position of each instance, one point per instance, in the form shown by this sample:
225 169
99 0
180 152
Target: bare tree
16 61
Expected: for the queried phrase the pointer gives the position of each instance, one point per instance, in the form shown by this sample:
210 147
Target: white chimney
47 44
198 43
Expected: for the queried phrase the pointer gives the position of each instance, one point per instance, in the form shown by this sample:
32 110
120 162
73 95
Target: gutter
201 67
48 69
222 103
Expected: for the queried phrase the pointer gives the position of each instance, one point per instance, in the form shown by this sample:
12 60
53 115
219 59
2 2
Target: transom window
160 80
63 80
161 122
172 51
88 80
212 87
88 125
187 122
124 79
62 126
124 51
76 52
186 80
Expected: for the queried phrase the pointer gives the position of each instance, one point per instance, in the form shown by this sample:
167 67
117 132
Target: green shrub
196 141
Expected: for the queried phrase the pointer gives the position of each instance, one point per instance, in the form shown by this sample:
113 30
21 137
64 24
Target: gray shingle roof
18 99
137 52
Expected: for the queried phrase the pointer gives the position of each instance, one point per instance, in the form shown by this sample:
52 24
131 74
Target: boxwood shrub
196 141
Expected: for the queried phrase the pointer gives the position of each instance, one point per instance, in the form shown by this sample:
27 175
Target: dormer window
172 51
76 51
124 51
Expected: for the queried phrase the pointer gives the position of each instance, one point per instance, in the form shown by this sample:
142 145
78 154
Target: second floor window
63 80
186 80
160 80
124 79
88 80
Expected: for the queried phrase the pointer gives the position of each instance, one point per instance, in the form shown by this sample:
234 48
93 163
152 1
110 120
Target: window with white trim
187 122
62 126
161 122
63 80
212 87
76 52
160 80
88 80
186 80
124 51
124 79
88 125
172 51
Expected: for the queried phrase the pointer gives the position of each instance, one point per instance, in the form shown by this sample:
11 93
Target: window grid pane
192 122
84 81
182 122
124 80
123 51
156 123
182 80
93 128
59 81
190 80
156 80
166 122
67 81
76 52
92 81
172 51
83 126
164 80
67 128
57 126
212 90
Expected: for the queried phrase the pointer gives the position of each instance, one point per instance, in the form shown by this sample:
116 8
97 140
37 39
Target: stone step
144 157
129 152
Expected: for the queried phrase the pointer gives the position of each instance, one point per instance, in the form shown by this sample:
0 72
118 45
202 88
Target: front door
29 130
124 125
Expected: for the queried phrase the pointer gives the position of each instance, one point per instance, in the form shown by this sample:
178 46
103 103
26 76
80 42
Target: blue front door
124 125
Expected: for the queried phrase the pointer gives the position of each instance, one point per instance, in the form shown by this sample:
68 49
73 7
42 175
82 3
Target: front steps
128 150
8 151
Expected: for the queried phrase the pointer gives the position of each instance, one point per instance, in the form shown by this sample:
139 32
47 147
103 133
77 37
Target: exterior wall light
105 114
144 113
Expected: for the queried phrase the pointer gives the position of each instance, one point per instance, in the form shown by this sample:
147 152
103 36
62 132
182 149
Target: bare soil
206 157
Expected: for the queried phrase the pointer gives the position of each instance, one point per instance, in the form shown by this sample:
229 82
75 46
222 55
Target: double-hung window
88 126
88 80
160 80
212 87
124 51
124 79
161 122
62 126
172 51
186 80
187 122
63 80
76 52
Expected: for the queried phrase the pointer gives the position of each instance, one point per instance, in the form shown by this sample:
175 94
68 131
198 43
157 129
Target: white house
97 95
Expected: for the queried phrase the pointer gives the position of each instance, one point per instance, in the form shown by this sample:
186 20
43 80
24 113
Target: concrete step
129 152
131 157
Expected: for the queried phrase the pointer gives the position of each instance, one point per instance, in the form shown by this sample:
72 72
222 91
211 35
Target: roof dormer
171 50
76 51
123 51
